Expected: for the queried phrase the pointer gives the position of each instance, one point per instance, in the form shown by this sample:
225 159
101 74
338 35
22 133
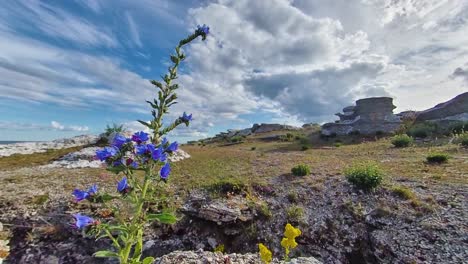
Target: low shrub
458 127
437 157
264 210
379 133
365 176
287 137
422 130
403 192
295 213
402 141
236 139
253 148
338 144
300 170
304 148
292 197
463 139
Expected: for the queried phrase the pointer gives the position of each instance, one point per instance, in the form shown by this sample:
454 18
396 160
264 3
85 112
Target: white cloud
134 34
55 22
57 126
54 125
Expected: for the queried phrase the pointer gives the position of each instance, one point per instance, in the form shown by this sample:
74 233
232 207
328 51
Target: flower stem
137 221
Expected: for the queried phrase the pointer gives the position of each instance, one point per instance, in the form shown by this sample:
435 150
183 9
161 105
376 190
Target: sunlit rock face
455 109
369 116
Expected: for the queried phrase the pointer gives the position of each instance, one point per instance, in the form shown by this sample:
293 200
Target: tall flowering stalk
142 152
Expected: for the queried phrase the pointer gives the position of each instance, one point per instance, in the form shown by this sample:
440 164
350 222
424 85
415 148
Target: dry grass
214 165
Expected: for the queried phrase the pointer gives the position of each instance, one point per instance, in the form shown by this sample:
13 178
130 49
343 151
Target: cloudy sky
71 67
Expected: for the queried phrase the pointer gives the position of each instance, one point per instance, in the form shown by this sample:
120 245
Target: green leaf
165 218
148 260
157 84
106 254
174 59
106 197
144 123
116 170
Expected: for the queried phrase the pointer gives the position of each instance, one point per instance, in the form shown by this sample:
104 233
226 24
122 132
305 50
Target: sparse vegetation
462 139
459 127
295 213
437 157
366 175
115 128
236 139
292 197
264 210
402 141
422 130
403 192
301 170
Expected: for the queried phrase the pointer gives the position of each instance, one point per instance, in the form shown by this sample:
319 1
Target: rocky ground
339 223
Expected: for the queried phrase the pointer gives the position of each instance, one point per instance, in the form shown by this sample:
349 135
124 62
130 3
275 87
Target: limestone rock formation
455 109
369 116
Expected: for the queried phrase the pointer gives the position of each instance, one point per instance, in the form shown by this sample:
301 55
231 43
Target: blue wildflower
140 137
119 140
141 149
80 195
82 221
165 171
172 147
83 195
164 142
186 118
134 165
105 153
122 185
204 30
157 153
93 189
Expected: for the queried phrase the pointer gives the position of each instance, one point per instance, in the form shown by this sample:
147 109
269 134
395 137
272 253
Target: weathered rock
219 211
206 257
369 116
455 109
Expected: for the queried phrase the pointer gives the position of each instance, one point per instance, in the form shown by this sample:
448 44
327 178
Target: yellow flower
265 253
289 241
291 232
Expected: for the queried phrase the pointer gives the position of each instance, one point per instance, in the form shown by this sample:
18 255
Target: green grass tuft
365 176
437 157
301 170
402 141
